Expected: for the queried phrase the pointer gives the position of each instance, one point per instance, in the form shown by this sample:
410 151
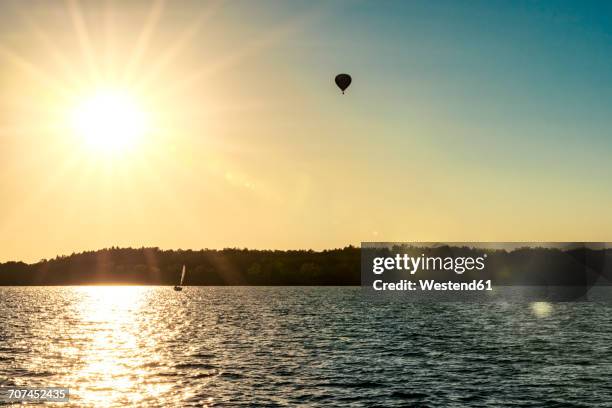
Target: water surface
249 346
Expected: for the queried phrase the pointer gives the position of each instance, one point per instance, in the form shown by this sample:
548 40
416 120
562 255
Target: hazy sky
486 121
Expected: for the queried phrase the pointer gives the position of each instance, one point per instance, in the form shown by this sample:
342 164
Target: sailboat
179 288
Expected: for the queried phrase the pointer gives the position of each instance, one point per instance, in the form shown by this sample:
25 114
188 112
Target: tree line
233 266
153 266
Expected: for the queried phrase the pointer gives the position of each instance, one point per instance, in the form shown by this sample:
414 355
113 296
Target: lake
310 346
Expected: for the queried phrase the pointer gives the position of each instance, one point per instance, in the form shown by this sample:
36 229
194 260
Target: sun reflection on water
113 368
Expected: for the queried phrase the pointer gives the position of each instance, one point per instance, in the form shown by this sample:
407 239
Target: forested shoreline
233 266
154 266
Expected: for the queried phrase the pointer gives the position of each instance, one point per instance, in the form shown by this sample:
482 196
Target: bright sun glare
110 121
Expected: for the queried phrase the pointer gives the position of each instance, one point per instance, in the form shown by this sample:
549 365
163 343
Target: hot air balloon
343 81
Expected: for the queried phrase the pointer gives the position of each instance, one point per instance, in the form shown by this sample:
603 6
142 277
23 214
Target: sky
465 121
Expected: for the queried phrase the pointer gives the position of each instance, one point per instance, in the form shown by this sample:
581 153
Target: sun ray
37 74
82 34
266 40
167 57
143 40
70 75
110 42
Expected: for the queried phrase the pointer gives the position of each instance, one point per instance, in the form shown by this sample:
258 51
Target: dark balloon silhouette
343 81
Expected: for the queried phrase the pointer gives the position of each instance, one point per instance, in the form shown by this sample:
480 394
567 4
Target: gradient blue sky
467 120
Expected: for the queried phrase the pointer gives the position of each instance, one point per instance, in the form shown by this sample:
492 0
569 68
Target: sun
110 121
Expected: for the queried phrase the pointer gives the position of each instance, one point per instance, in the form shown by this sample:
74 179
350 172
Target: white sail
182 276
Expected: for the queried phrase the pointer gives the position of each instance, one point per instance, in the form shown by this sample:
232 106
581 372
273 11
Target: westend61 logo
412 264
